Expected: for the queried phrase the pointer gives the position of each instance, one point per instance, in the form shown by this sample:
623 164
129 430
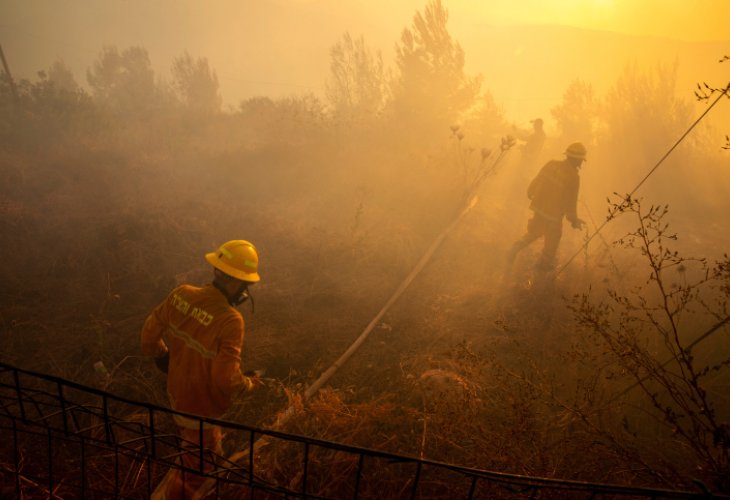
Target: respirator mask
241 296
237 298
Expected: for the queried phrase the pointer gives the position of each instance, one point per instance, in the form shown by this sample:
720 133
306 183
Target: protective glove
252 379
163 362
577 223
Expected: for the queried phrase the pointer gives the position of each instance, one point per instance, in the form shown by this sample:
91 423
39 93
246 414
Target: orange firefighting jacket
204 335
554 191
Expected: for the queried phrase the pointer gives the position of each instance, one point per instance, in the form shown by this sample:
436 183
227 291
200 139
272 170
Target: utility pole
10 77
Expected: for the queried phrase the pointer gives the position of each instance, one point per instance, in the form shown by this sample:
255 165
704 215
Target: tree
288 120
62 77
643 115
124 82
576 116
485 120
356 87
704 92
431 86
57 94
645 333
51 107
57 83
196 84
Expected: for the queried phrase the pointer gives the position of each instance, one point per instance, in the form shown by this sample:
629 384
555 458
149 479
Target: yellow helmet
576 150
237 258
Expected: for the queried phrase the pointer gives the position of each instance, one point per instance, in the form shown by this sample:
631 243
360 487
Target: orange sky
280 47
693 20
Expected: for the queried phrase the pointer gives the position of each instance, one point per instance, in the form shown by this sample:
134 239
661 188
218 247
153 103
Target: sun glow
567 12
680 19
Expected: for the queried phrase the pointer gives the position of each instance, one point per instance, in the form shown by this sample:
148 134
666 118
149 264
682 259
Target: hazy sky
280 47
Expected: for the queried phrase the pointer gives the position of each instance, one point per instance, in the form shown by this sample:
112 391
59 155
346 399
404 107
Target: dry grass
471 366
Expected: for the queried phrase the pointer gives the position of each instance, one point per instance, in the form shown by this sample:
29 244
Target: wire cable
613 213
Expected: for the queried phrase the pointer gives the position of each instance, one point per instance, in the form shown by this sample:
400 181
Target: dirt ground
475 364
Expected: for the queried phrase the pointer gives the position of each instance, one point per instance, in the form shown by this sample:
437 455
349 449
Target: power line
13 89
613 213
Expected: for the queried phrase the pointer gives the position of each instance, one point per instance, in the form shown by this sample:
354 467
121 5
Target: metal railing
64 440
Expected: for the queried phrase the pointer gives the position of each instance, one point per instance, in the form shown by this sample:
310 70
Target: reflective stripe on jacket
204 335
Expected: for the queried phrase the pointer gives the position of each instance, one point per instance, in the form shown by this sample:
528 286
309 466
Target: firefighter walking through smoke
196 336
554 195
534 140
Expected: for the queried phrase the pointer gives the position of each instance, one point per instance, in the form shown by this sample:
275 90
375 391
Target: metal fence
65 440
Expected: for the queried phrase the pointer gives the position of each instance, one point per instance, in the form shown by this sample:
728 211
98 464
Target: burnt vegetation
111 193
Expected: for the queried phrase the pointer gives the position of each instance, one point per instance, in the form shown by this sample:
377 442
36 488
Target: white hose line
396 295
317 384
312 389
284 416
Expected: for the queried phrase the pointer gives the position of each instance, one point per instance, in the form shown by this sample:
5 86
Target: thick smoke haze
345 139
279 48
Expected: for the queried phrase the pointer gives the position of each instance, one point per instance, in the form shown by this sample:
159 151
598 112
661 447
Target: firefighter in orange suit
554 195
196 335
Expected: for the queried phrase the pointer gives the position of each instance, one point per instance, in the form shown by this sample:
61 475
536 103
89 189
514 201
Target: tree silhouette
431 87
356 87
645 331
576 116
643 114
57 95
62 77
196 84
124 82
704 92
